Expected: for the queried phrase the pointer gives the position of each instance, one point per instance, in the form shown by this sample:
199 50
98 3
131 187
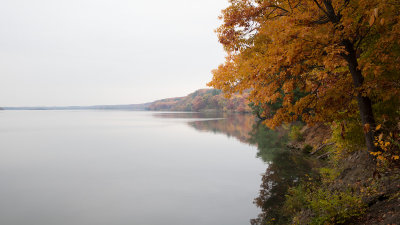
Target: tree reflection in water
285 168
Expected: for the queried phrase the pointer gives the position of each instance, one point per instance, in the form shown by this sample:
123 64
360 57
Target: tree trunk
364 102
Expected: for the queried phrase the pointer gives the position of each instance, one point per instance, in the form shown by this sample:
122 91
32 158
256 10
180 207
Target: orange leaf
371 20
367 128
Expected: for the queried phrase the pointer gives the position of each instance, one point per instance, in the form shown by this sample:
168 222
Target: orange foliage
278 46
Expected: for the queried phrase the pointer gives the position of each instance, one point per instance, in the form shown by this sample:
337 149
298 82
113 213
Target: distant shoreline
202 100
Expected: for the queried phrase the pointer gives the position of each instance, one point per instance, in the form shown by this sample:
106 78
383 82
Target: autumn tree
343 55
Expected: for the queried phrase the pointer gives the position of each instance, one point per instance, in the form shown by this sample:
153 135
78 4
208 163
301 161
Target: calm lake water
142 168
126 167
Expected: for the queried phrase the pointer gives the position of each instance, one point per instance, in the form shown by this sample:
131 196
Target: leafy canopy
276 48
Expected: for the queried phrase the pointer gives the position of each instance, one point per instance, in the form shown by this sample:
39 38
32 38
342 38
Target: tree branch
278 7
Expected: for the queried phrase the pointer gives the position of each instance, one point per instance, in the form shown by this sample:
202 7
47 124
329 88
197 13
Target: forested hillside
204 100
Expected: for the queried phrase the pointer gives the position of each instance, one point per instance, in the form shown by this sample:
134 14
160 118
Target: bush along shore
347 184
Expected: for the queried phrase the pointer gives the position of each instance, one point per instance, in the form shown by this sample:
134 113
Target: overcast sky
88 52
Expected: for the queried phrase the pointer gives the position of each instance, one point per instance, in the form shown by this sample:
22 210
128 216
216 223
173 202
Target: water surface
124 167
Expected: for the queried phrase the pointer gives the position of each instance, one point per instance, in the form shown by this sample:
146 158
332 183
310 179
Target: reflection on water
285 168
190 115
123 167
239 126
269 142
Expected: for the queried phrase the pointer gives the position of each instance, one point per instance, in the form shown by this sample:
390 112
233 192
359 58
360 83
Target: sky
90 52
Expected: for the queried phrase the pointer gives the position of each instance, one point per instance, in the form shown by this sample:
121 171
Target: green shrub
334 206
315 202
328 174
296 199
349 137
295 133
